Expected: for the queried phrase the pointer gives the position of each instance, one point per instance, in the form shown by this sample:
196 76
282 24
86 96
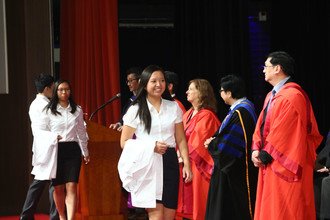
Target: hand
255 158
208 141
120 128
323 170
160 147
116 126
86 159
187 174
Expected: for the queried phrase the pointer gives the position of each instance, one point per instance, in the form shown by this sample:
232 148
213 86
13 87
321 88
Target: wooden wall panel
29 52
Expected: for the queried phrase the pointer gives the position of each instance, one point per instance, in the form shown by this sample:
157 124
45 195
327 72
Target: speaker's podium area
100 195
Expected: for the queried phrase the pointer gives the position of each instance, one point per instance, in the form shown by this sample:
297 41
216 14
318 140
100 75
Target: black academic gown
228 196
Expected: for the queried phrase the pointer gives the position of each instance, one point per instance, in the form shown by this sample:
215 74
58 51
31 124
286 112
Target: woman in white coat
149 166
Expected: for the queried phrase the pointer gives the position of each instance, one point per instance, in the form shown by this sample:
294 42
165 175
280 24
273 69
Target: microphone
102 106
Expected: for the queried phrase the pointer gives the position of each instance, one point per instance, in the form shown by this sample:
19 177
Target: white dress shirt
71 127
162 122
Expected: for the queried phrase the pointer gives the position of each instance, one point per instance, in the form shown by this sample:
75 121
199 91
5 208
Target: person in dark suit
322 182
44 84
132 81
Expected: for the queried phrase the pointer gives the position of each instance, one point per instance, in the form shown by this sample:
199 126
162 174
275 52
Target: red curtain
89 55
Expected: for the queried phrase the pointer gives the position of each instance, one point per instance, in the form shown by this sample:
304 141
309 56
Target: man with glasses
284 146
132 76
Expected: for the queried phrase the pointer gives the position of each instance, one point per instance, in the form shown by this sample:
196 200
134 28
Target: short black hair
284 60
234 84
136 70
42 81
172 77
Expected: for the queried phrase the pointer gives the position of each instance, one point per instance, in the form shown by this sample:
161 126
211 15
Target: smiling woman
152 130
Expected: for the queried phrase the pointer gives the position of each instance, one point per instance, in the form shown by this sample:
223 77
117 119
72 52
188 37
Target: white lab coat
141 172
44 148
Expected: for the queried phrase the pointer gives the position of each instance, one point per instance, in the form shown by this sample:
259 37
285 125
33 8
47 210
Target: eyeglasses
266 66
63 90
130 81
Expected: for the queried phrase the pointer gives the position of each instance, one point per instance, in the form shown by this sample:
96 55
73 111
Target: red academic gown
285 186
193 195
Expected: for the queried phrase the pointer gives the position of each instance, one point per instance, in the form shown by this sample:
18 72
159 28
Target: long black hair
52 105
141 96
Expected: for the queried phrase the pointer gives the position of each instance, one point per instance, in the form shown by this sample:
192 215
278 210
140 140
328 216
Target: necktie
265 113
270 100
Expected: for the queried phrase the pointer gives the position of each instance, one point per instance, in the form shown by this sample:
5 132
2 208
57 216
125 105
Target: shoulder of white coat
171 104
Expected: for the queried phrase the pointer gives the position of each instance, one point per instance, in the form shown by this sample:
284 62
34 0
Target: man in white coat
41 170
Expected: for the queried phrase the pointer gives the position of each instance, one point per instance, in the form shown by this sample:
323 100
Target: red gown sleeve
204 127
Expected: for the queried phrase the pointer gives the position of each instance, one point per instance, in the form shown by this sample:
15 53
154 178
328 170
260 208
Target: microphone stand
102 106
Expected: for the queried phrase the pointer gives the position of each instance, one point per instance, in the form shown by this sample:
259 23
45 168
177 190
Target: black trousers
325 199
32 199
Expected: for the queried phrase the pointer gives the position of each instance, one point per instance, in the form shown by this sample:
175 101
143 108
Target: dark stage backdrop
209 39
142 46
213 38
304 32
212 41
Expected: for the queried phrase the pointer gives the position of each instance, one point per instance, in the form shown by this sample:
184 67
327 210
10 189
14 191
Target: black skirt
68 163
171 177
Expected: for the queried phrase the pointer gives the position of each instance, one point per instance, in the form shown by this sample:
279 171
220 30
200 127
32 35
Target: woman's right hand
160 147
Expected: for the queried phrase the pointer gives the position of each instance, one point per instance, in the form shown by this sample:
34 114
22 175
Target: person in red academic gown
200 122
284 146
